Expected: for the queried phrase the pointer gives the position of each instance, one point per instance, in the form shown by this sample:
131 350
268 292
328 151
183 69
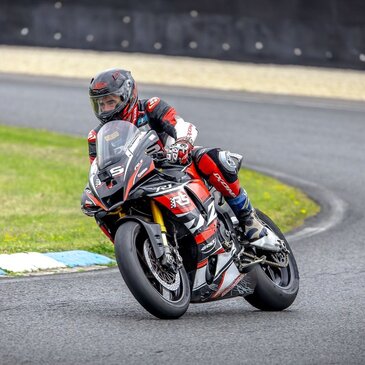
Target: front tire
276 288
162 293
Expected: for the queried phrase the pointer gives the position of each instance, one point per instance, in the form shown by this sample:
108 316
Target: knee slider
231 162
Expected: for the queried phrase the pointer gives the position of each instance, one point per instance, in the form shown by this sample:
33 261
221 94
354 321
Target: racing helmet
113 95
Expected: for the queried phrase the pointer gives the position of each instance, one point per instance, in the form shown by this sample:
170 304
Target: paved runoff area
166 70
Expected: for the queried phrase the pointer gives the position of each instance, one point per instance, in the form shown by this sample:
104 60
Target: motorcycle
176 239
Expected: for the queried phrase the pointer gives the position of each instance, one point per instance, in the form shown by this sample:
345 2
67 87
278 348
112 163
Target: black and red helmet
119 85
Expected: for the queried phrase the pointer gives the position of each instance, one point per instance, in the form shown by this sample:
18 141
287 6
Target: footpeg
245 265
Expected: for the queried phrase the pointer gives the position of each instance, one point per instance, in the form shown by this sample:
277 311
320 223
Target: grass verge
43 174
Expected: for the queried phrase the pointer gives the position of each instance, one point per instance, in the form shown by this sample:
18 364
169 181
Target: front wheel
276 287
161 292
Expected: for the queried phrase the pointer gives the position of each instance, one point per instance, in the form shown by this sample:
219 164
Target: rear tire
162 293
276 288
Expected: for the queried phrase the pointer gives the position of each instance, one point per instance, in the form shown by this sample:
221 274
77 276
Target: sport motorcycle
176 239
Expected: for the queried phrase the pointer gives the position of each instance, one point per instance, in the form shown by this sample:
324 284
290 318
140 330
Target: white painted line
26 262
263 98
335 206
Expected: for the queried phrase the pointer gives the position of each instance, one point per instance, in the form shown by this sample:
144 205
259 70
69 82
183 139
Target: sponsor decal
189 134
152 103
163 187
134 115
142 172
112 136
180 199
224 184
91 136
117 170
138 165
209 247
100 85
157 189
142 120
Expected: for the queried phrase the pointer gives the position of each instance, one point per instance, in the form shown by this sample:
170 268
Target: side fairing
114 183
193 206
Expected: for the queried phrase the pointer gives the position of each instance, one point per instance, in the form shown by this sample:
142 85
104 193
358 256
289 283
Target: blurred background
326 33
304 125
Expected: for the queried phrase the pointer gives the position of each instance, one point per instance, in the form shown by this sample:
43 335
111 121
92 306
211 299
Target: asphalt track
91 318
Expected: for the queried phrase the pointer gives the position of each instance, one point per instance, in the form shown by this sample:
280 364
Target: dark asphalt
91 318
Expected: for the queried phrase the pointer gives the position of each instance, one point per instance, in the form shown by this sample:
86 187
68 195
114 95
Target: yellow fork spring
158 218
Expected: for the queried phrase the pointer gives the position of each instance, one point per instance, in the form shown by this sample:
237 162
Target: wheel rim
169 285
281 277
167 279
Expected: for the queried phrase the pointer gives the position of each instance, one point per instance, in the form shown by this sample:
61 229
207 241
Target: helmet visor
106 105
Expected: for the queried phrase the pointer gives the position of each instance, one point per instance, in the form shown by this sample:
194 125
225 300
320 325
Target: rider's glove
179 152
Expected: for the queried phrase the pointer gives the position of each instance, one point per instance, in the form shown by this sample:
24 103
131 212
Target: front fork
158 218
168 259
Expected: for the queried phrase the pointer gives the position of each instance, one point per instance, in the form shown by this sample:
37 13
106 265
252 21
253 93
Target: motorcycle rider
113 96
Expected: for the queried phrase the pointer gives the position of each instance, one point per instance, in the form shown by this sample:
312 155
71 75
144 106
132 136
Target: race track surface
91 318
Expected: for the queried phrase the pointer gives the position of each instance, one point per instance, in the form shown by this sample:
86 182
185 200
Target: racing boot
254 230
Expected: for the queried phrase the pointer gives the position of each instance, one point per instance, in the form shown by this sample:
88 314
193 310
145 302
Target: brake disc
167 279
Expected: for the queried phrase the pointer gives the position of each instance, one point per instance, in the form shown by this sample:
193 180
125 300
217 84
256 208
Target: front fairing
121 162
115 139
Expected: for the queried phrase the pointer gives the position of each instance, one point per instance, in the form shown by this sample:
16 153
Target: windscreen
113 140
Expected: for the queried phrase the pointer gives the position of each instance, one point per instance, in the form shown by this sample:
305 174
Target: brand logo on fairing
163 187
181 199
138 165
117 170
142 172
208 247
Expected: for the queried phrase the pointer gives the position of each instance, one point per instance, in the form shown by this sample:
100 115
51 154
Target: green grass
43 174
288 207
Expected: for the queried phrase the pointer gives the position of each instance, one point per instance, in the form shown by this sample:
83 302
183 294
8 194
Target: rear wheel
277 287
162 292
